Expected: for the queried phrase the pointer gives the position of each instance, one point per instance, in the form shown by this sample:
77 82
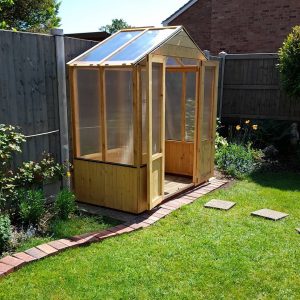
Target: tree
289 63
116 24
29 15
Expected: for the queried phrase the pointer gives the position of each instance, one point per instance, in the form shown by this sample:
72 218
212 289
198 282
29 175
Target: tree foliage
29 15
289 63
116 24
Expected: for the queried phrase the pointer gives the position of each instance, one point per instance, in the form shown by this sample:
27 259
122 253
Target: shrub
31 206
64 204
35 173
10 142
237 160
5 232
289 63
220 141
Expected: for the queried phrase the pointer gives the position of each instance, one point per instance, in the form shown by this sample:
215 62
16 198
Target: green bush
289 63
64 204
10 143
31 206
5 232
237 160
36 173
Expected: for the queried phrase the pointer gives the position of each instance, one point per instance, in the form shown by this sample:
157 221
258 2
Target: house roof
92 36
130 46
179 12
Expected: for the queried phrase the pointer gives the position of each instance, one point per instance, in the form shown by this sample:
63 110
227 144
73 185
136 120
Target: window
190 97
119 116
88 128
173 105
207 104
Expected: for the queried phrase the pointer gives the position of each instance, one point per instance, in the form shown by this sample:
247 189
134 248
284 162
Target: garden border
13 262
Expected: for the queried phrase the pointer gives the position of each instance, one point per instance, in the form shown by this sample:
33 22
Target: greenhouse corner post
62 99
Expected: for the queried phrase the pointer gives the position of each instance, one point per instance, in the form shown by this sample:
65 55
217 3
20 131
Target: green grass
194 253
78 224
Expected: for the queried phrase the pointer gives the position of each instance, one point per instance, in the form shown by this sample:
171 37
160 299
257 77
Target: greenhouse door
207 120
156 130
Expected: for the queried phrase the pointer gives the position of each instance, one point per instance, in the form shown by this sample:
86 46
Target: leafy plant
64 204
289 63
5 232
243 133
35 173
220 141
31 206
116 24
29 15
10 142
237 160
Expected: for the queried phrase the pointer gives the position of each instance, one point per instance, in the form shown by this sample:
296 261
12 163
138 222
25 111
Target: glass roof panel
146 41
106 48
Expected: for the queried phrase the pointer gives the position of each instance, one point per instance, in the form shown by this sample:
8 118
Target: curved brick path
9 263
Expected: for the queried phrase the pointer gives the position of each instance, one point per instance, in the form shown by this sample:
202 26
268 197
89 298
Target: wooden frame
155 186
140 185
206 147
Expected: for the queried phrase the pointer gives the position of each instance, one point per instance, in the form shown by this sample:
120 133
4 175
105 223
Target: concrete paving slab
219 204
269 214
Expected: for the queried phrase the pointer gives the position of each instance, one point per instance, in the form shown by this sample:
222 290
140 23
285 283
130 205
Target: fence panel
29 89
251 89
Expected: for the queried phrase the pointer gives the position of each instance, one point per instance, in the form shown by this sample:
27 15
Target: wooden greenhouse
144 115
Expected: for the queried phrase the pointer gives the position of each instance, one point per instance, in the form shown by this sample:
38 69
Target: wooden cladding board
179 157
114 186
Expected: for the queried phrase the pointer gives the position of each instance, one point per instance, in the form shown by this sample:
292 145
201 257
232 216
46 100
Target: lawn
78 224
194 253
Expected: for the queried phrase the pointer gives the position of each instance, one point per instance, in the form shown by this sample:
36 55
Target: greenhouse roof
129 46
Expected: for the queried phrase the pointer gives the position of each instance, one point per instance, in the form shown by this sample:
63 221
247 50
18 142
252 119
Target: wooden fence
29 88
250 88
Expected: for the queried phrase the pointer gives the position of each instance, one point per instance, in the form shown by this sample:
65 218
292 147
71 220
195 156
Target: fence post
222 56
207 54
62 98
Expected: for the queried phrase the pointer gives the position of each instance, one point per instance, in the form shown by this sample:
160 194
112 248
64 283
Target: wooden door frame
150 157
215 64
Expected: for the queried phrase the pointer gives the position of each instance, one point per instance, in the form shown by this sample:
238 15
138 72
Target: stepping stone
269 214
219 204
298 229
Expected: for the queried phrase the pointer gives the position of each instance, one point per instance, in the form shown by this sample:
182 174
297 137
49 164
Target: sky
89 15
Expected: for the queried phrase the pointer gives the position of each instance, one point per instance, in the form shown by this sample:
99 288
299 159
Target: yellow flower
247 121
68 174
254 127
237 127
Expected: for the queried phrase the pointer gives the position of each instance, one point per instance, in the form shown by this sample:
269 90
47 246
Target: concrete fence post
207 54
62 98
222 56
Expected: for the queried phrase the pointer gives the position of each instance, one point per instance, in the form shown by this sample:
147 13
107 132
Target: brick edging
10 263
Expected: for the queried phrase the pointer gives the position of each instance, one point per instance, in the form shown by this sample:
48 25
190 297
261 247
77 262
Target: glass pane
171 61
156 107
88 129
190 105
207 104
189 62
119 116
109 46
145 42
173 105
144 110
